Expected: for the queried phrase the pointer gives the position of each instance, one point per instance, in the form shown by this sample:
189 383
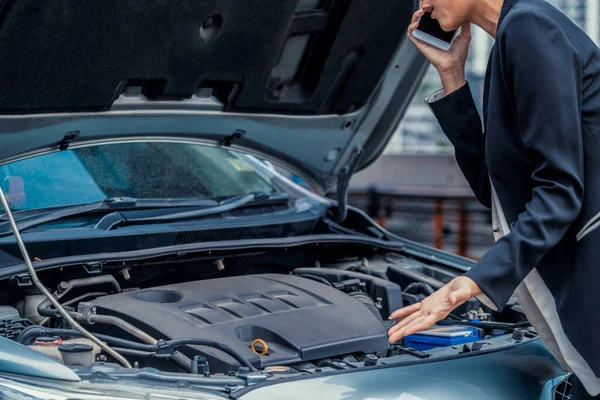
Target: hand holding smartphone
430 31
446 51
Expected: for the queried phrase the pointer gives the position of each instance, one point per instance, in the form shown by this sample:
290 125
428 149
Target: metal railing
450 221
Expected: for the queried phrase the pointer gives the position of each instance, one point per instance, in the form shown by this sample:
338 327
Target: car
153 244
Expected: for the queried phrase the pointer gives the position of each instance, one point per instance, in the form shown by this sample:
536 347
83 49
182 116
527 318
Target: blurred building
417 183
419 131
585 13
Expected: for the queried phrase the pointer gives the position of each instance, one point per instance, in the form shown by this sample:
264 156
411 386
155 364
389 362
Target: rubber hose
71 302
210 343
369 303
183 361
326 363
419 288
487 324
121 324
315 278
26 337
44 308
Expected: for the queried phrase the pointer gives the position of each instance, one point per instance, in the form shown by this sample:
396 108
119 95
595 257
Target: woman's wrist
475 289
468 284
452 79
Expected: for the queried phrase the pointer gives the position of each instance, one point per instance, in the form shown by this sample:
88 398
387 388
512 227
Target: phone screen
433 28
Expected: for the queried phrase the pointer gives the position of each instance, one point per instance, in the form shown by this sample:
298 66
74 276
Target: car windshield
137 170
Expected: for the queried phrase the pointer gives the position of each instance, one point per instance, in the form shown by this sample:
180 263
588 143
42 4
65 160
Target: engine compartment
256 312
299 319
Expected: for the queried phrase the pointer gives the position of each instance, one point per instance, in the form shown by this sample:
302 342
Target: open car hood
318 86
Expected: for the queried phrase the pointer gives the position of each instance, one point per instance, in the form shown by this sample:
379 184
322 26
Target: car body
133 140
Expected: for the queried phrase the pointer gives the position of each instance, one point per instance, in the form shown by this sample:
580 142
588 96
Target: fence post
374 206
463 228
438 225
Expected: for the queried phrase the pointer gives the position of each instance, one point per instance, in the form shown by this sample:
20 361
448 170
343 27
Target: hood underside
303 82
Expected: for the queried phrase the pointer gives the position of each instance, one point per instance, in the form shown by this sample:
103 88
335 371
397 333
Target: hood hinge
67 139
228 141
343 183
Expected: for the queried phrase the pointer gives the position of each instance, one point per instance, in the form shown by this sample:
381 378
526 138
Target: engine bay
293 318
260 313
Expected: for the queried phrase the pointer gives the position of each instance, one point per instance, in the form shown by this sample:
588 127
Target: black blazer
541 154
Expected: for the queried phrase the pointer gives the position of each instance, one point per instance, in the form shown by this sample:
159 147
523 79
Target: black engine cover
300 319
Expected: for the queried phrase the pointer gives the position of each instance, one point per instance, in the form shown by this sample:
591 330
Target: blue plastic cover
442 336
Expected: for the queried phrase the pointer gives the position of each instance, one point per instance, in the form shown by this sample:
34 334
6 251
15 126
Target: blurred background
416 188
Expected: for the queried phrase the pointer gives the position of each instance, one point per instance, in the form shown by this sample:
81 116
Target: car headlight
54 390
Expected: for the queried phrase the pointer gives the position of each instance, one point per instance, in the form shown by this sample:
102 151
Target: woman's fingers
466 30
418 14
419 325
414 23
399 334
404 322
432 53
393 330
421 316
405 312
462 42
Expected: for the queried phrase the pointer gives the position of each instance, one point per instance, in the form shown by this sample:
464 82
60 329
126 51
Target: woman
537 166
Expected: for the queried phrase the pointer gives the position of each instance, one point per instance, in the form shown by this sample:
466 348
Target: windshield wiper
32 218
254 199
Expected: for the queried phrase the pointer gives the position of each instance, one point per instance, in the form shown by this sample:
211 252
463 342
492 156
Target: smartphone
430 31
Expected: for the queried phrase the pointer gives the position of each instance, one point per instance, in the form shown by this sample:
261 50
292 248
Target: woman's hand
421 316
450 64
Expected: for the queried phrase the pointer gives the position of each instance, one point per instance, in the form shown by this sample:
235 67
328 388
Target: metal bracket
396 350
252 378
21 281
94 268
163 347
87 310
228 141
67 139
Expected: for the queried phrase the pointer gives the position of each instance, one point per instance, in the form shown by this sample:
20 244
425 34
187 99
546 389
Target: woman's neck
486 15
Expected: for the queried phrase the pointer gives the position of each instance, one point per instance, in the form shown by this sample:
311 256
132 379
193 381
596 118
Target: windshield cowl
155 210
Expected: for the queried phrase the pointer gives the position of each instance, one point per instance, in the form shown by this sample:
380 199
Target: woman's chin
447 27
